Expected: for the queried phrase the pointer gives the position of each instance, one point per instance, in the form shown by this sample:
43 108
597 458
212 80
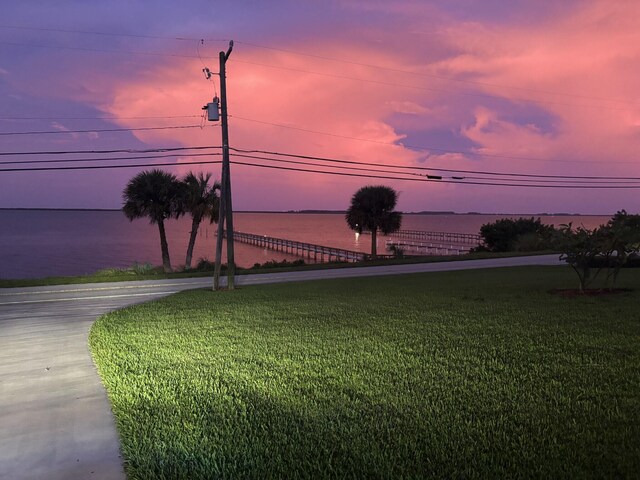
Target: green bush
205 265
523 234
609 247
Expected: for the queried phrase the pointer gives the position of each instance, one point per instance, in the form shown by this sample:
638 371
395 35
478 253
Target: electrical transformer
213 113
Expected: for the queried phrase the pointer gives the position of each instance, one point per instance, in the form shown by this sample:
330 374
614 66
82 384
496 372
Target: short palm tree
372 210
201 200
157 195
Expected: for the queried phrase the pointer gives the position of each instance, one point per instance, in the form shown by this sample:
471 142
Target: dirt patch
589 292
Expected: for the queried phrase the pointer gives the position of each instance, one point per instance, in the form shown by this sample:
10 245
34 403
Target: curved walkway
55 419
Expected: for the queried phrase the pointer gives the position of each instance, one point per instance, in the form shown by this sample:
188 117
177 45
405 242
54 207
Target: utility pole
226 208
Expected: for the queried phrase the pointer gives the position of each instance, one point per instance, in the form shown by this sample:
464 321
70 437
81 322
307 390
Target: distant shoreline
332 212
64 209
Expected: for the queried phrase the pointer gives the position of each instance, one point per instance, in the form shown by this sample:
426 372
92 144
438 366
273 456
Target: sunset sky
527 87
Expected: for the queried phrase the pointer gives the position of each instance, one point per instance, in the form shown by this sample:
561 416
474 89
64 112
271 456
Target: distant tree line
160 196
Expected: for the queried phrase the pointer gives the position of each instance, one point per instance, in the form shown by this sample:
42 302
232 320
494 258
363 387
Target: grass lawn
459 374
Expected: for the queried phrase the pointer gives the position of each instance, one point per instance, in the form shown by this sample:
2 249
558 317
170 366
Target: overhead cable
98 130
423 147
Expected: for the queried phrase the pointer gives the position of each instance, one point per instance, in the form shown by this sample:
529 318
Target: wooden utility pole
226 208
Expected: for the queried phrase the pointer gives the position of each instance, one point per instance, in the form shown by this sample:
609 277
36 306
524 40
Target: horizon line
328 212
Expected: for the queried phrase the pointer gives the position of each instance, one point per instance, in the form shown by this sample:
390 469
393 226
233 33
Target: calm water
38 243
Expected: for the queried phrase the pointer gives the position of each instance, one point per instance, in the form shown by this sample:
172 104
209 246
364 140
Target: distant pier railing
471 239
422 242
319 253
421 248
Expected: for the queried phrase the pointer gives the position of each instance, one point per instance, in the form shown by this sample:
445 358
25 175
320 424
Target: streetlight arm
226 55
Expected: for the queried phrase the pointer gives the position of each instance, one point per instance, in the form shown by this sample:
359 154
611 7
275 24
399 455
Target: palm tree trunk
192 241
164 246
374 243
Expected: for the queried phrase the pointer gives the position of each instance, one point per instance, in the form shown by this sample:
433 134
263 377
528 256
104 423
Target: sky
538 89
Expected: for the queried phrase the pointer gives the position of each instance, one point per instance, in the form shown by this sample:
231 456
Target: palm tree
372 210
157 195
201 201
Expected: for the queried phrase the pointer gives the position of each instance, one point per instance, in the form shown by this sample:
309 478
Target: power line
100 118
351 168
107 159
423 147
97 167
121 150
415 147
345 174
479 172
96 130
362 166
429 180
185 152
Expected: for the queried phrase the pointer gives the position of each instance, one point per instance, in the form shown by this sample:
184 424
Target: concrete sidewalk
55 419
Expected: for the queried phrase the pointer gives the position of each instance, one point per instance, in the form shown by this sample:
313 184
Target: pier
449 238
412 242
421 248
319 253
422 242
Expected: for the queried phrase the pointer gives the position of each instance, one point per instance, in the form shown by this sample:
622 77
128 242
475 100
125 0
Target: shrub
113 272
580 248
144 268
135 269
396 251
612 246
507 235
205 265
621 241
276 264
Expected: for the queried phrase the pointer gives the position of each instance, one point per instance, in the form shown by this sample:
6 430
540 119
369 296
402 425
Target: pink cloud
589 55
284 97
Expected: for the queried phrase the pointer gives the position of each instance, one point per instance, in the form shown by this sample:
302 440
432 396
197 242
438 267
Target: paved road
55 419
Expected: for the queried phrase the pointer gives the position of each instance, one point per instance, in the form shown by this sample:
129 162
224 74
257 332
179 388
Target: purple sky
527 87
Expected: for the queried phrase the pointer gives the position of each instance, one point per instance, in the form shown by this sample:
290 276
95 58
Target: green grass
458 374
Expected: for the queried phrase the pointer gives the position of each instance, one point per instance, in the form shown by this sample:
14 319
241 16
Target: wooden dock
319 253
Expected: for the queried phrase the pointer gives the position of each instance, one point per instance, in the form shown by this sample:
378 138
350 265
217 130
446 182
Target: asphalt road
55 419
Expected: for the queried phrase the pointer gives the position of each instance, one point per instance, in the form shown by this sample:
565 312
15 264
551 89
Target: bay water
41 243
